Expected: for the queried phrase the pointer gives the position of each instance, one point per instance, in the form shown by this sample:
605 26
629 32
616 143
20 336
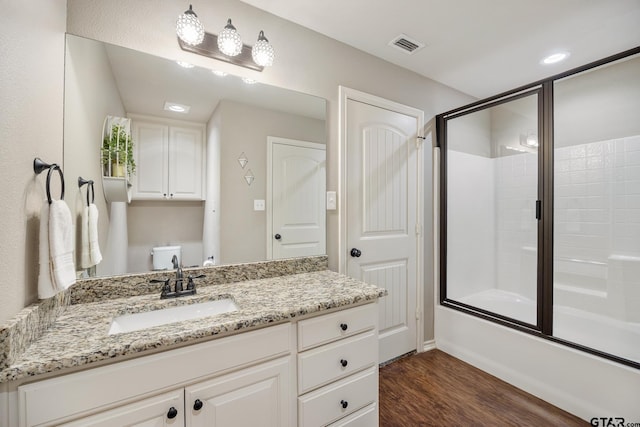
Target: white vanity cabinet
338 369
319 371
227 376
170 159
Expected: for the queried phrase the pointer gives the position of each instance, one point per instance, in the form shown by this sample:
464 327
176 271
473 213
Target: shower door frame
545 237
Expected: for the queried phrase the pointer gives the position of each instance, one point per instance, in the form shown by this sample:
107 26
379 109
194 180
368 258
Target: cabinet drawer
365 417
330 327
147 412
330 362
337 400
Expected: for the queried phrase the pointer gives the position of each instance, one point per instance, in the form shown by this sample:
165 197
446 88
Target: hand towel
96 255
90 247
85 250
46 287
61 245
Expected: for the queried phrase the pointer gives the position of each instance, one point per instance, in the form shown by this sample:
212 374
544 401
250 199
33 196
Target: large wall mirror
246 128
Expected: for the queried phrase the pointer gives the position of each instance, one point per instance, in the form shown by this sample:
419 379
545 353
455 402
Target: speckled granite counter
79 335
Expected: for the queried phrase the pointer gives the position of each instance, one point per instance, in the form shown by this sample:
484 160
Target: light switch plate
258 205
332 202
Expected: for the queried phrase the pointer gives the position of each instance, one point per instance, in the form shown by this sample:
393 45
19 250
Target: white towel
46 288
91 254
63 269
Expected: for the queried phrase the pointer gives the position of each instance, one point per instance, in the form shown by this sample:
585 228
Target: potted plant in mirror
117 152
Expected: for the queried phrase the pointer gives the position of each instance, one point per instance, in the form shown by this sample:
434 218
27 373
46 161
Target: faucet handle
190 284
166 288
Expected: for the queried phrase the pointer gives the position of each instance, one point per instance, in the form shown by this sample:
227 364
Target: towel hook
39 166
81 182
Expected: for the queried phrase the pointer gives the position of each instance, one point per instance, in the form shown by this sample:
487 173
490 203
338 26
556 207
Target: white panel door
382 223
298 183
185 163
151 145
257 396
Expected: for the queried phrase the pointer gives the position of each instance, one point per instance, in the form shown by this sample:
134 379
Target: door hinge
418 229
419 141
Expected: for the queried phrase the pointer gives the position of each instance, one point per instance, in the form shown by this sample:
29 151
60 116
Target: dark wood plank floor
436 389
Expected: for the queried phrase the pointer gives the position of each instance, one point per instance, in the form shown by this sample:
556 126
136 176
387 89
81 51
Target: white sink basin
148 319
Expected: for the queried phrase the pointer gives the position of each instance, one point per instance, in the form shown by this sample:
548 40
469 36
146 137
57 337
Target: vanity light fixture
227 46
262 52
189 28
229 41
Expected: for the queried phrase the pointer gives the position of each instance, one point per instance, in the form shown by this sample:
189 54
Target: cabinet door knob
344 404
277 237
197 405
355 252
173 412
343 326
344 363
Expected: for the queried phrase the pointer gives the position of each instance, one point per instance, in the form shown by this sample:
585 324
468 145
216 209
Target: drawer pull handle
343 326
344 363
344 404
197 405
173 412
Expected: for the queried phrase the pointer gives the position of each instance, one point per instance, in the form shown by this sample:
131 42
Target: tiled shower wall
596 224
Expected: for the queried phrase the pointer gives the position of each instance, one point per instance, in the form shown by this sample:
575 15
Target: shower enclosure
540 208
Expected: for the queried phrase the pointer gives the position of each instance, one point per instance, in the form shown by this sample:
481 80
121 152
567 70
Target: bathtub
592 330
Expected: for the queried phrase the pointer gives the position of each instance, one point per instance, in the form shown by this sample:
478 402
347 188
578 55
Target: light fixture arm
209 48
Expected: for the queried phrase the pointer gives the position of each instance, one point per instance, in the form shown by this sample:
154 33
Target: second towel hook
81 182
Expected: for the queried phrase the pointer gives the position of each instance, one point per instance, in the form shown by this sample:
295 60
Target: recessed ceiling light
249 81
219 73
556 57
176 108
185 64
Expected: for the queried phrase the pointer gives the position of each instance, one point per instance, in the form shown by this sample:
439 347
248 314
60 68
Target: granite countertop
80 337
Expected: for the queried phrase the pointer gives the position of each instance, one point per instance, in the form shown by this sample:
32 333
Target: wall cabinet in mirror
170 158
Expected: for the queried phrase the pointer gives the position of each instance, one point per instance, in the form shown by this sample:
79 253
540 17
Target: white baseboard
429 345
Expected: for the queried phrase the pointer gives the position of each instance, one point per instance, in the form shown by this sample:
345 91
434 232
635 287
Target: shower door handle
538 209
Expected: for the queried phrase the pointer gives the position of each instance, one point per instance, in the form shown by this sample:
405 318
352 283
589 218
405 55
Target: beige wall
31 90
306 61
245 129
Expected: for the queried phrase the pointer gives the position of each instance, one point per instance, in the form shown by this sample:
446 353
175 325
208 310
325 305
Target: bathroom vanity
300 350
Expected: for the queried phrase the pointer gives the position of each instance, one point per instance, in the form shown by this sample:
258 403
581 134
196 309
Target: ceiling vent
406 44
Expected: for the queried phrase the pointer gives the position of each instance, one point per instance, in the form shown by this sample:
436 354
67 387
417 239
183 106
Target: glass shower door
492 182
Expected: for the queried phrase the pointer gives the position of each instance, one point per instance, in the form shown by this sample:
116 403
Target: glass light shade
229 41
189 28
262 52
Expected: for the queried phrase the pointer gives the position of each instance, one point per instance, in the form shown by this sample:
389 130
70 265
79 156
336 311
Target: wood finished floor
436 389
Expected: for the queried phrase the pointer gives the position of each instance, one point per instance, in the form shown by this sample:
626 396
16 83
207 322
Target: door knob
277 237
197 405
356 253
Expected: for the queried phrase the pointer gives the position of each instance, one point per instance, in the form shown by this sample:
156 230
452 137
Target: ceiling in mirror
146 82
